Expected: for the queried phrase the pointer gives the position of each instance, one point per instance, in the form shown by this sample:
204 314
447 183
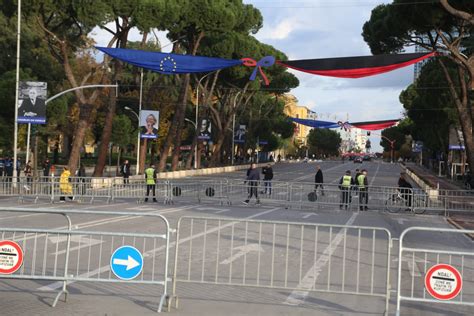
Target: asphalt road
294 265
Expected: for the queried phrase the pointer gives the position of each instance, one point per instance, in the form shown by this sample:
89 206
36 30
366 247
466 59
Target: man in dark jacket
125 171
318 179
253 176
267 178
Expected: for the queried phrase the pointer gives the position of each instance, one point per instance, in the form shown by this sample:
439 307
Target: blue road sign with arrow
126 262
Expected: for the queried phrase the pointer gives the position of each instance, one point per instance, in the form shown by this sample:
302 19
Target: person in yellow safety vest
362 183
345 185
65 186
150 177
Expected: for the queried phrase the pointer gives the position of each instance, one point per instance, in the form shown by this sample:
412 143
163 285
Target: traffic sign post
126 263
443 282
11 257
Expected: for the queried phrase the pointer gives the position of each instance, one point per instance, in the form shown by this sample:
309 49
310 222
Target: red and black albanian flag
355 67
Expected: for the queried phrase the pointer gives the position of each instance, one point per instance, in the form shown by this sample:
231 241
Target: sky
324 29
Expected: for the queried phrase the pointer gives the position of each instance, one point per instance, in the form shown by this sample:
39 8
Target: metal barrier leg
66 263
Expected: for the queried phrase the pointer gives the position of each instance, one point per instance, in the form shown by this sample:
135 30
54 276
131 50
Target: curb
455 224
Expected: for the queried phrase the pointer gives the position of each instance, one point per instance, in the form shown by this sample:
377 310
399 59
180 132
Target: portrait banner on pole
149 122
240 134
32 102
205 131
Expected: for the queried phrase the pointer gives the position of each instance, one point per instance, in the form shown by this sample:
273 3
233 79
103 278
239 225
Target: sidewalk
432 179
460 221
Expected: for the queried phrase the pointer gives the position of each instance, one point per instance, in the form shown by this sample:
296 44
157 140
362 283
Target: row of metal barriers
300 258
228 191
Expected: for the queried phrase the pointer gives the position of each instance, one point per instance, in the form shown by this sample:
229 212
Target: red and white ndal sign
11 257
443 282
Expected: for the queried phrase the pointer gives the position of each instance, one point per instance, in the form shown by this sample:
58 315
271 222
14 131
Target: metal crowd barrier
416 258
280 255
67 255
223 191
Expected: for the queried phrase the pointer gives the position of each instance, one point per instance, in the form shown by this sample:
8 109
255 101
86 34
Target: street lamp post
233 128
197 117
17 83
138 138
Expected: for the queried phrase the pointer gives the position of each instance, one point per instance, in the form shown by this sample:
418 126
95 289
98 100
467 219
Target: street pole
28 143
17 86
233 129
139 110
197 117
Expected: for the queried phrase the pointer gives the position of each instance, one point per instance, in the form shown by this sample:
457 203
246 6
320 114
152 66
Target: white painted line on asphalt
106 221
204 208
221 211
241 251
57 285
83 242
412 266
401 220
307 215
298 296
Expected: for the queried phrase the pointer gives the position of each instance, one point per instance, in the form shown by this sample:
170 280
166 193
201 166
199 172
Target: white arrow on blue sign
126 262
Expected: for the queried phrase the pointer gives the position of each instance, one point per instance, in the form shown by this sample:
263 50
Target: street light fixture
138 138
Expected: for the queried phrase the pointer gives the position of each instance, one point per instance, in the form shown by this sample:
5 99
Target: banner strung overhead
368 126
355 67
345 67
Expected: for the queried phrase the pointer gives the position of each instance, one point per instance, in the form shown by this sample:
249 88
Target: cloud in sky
325 29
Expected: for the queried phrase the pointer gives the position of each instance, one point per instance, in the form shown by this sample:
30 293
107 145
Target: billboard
239 134
205 131
32 102
149 124
456 139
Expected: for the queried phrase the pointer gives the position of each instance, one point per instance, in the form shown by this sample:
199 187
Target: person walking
363 190
319 180
253 176
345 185
125 171
150 177
65 186
267 179
46 167
29 176
9 169
405 189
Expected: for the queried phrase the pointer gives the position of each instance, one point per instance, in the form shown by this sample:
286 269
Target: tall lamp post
197 117
17 83
138 138
233 128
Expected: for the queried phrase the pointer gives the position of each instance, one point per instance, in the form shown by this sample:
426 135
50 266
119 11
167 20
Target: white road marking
57 285
401 220
412 266
211 209
309 280
221 211
83 241
241 251
106 221
307 215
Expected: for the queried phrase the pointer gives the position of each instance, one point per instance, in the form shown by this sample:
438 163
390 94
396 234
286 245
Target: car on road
357 160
